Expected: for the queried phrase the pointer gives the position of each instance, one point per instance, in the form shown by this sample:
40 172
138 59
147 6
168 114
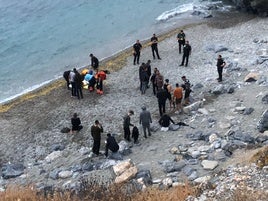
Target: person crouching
111 144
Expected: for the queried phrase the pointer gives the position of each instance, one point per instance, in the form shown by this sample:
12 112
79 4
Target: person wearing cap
154 41
145 120
181 40
111 144
126 125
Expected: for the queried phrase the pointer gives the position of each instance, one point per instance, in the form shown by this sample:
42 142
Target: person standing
153 81
96 131
144 78
78 79
161 97
181 40
145 120
66 75
220 65
186 53
126 125
111 144
72 81
168 89
76 123
187 88
154 42
94 62
136 52
159 80
148 66
177 95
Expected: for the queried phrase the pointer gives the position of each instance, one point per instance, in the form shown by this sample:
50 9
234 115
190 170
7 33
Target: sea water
42 39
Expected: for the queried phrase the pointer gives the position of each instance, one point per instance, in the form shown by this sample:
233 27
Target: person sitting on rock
76 123
111 144
165 122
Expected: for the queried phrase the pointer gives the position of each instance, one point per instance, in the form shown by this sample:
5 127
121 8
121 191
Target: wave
175 11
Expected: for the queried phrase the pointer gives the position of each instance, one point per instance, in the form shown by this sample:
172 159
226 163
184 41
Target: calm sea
41 39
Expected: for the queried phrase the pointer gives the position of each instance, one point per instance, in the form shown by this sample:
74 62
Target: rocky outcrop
256 6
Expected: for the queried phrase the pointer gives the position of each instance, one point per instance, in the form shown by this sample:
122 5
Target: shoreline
118 60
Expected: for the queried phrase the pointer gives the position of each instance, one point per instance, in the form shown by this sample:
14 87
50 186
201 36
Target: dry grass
261 157
113 193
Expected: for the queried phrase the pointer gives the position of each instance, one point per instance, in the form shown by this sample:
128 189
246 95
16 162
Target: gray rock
198 86
54 174
115 156
174 127
146 177
220 48
219 89
209 165
263 122
57 147
12 170
188 170
87 165
76 168
171 166
193 176
265 99
248 111
262 80
230 89
124 148
198 135
244 137
262 139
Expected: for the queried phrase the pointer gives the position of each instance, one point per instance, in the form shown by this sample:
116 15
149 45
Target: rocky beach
215 149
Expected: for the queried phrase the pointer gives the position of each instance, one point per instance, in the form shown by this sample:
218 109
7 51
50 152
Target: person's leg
125 133
128 134
138 58
98 147
135 57
220 73
153 52
183 58
180 44
187 57
164 107
106 150
148 128
157 54
144 131
160 108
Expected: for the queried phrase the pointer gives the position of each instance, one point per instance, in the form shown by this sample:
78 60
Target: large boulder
12 170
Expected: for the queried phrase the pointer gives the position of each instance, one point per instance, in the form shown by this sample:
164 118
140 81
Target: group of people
90 79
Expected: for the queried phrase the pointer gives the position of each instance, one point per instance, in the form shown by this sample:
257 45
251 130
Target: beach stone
212 138
124 148
262 138
116 156
248 111
203 179
173 127
216 144
198 135
57 147
87 165
84 150
193 176
122 167
12 170
188 170
203 111
146 177
263 122
172 166
209 165
230 89
193 107
167 182
53 156
65 130
220 48
244 137
265 99
225 125
195 154
197 86
107 164
240 109
204 148
217 90
192 161
65 174
174 150
251 77
126 175
54 174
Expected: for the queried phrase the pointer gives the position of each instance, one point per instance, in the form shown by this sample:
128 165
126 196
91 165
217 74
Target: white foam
175 11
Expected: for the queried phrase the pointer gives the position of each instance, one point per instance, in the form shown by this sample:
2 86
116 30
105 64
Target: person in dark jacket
78 79
154 41
144 78
126 125
145 120
187 49
181 40
187 88
161 97
165 121
66 77
111 144
96 131
94 61
135 134
76 123
137 52
153 81
220 65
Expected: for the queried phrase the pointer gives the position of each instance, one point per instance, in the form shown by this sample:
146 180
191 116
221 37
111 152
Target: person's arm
171 120
223 64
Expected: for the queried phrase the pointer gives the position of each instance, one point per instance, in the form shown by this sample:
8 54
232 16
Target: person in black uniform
126 125
186 53
161 97
66 77
96 131
187 88
78 79
94 61
153 81
181 40
111 144
220 65
154 41
136 52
